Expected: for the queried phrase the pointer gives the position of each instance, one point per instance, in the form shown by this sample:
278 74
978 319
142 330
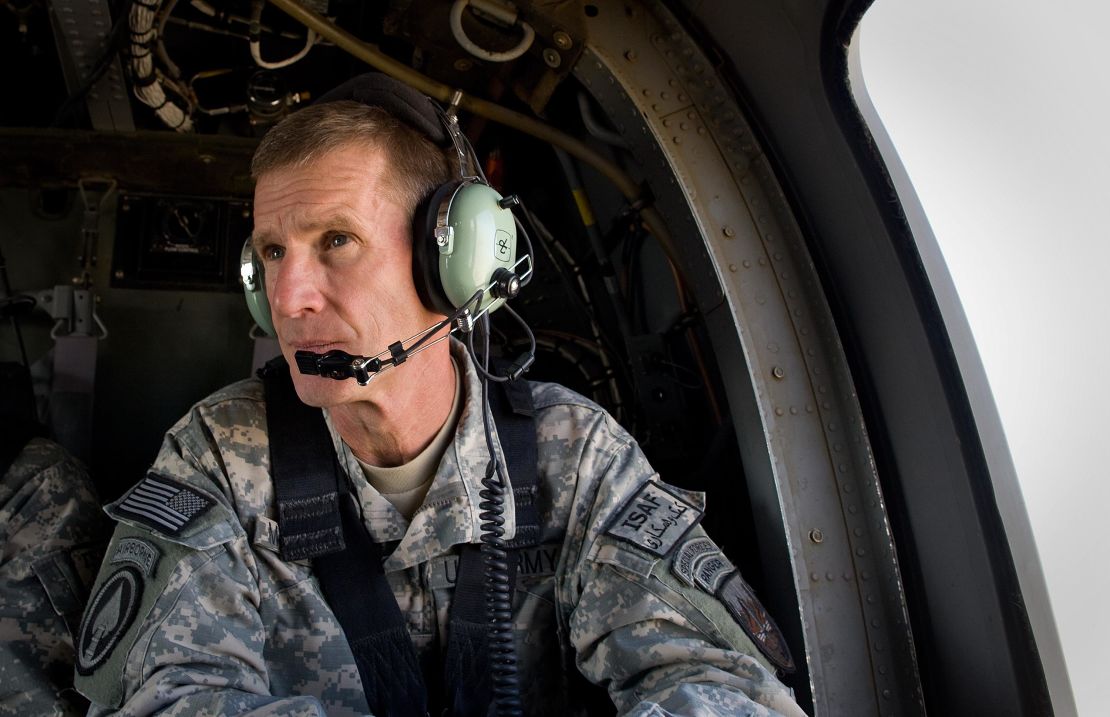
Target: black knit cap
411 106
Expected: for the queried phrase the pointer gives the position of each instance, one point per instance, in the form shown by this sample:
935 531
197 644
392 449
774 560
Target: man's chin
321 392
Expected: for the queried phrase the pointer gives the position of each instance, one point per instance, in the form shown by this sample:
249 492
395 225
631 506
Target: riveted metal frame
82 28
825 538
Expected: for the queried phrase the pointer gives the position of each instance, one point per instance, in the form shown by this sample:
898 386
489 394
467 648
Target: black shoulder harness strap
318 519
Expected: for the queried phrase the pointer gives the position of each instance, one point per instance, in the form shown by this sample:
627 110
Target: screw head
562 40
552 58
817 536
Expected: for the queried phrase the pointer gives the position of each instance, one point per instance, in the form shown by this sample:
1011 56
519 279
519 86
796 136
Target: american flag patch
163 504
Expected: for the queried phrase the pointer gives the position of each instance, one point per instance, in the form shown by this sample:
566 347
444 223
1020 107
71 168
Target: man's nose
295 285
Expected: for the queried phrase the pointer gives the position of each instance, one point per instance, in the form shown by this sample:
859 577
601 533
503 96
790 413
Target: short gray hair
308 134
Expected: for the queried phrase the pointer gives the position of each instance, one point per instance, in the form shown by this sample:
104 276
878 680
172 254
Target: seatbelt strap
303 465
356 588
514 415
318 519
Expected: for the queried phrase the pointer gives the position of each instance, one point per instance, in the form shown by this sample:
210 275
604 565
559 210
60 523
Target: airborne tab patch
163 504
139 552
654 519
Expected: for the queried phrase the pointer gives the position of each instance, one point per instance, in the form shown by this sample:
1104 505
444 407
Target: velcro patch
712 571
139 552
654 519
750 614
110 612
689 553
164 504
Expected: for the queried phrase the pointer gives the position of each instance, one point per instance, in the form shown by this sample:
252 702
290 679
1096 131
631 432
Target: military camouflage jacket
52 534
195 612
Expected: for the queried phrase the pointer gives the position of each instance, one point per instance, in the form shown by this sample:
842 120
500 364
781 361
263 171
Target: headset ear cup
254 288
425 252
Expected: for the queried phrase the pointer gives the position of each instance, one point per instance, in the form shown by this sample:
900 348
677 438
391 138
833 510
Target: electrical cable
499 590
594 127
443 93
160 48
147 84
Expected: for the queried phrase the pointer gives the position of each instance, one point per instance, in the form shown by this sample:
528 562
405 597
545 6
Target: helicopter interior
690 277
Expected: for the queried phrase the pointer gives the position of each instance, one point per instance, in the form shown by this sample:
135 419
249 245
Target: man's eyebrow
336 220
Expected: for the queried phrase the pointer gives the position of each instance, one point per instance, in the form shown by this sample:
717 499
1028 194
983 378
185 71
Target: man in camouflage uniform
196 612
52 534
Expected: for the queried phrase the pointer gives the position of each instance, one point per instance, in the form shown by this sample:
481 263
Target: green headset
464 233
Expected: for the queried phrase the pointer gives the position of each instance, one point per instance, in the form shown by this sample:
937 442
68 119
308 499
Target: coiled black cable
499 590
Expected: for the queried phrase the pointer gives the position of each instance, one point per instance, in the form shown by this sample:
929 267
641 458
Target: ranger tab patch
164 504
654 519
750 614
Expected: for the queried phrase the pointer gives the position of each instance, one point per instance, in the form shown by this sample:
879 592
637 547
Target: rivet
861 552
729 231
815 577
732 267
830 576
816 535
778 373
630 55
779 412
747 264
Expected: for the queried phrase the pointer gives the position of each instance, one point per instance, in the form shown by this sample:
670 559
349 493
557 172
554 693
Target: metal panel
806 454
82 27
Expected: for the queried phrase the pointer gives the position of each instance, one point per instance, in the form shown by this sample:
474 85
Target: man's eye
271 252
337 240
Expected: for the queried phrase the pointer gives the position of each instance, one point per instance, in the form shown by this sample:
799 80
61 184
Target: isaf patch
654 519
752 617
163 504
107 617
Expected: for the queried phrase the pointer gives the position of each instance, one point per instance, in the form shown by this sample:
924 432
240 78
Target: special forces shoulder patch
654 519
687 557
107 617
699 562
750 614
163 504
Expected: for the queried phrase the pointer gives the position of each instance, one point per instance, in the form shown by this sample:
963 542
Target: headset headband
408 105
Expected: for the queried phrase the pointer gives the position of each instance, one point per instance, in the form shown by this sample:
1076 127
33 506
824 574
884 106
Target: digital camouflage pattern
226 626
52 533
